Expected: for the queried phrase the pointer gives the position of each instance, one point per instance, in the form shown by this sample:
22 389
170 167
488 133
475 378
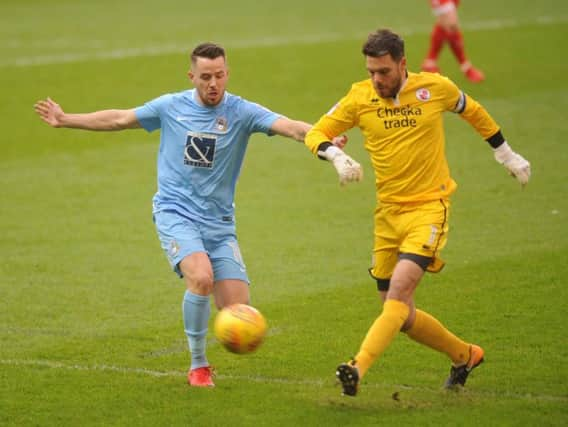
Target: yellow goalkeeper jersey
404 135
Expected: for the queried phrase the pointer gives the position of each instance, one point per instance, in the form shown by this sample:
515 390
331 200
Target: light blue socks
196 310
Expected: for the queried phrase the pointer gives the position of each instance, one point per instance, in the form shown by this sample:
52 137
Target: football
240 328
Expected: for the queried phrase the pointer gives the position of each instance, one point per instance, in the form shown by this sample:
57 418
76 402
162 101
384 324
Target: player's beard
211 99
391 91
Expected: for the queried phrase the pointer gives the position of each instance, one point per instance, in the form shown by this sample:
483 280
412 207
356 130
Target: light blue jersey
201 151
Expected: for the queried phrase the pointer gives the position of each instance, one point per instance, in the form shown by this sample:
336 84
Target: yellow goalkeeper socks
381 334
429 331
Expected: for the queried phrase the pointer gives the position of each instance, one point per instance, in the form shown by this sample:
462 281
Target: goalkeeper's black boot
348 376
459 374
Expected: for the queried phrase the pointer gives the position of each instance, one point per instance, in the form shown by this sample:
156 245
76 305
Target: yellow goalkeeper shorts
410 228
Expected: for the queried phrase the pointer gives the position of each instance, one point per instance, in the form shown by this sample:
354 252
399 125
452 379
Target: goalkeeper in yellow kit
400 116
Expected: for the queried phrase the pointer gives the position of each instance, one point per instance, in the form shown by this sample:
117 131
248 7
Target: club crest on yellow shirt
423 94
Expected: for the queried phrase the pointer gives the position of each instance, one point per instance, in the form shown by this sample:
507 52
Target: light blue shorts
180 237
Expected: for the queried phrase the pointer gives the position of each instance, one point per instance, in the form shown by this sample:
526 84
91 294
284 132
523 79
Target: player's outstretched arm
347 168
297 130
481 120
51 113
289 128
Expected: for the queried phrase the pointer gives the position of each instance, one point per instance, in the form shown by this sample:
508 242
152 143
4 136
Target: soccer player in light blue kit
204 135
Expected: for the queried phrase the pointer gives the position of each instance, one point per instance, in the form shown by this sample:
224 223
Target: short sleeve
261 118
454 98
150 114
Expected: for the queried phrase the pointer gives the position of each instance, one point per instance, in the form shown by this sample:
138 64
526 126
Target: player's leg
449 22
430 332
225 278
231 291
231 278
394 313
428 236
397 309
438 36
198 276
437 41
181 240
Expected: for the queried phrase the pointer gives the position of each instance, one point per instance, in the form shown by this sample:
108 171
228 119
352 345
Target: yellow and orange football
240 328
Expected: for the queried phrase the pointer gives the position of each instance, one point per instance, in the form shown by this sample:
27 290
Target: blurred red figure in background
447 29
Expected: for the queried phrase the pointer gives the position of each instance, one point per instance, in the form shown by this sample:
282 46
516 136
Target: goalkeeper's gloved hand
516 164
347 168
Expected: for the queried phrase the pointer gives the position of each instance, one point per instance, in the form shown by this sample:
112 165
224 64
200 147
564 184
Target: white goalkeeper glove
347 168
516 164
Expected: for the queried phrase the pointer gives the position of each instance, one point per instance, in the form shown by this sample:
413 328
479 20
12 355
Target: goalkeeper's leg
427 330
397 309
465 357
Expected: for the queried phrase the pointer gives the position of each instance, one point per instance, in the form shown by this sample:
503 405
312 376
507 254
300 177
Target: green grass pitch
90 315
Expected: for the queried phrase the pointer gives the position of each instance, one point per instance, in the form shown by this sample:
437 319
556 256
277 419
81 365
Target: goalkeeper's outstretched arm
474 113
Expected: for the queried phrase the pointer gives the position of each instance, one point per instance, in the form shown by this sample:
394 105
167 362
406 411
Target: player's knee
402 290
200 283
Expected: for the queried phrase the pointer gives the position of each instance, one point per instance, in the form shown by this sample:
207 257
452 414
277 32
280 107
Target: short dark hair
207 50
383 42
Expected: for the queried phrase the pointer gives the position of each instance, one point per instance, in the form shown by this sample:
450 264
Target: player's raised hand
49 111
516 164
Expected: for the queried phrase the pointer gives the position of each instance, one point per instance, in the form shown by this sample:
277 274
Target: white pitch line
171 48
148 372
262 379
75 367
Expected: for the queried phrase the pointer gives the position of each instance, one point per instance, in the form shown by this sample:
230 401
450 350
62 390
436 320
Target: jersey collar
396 98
